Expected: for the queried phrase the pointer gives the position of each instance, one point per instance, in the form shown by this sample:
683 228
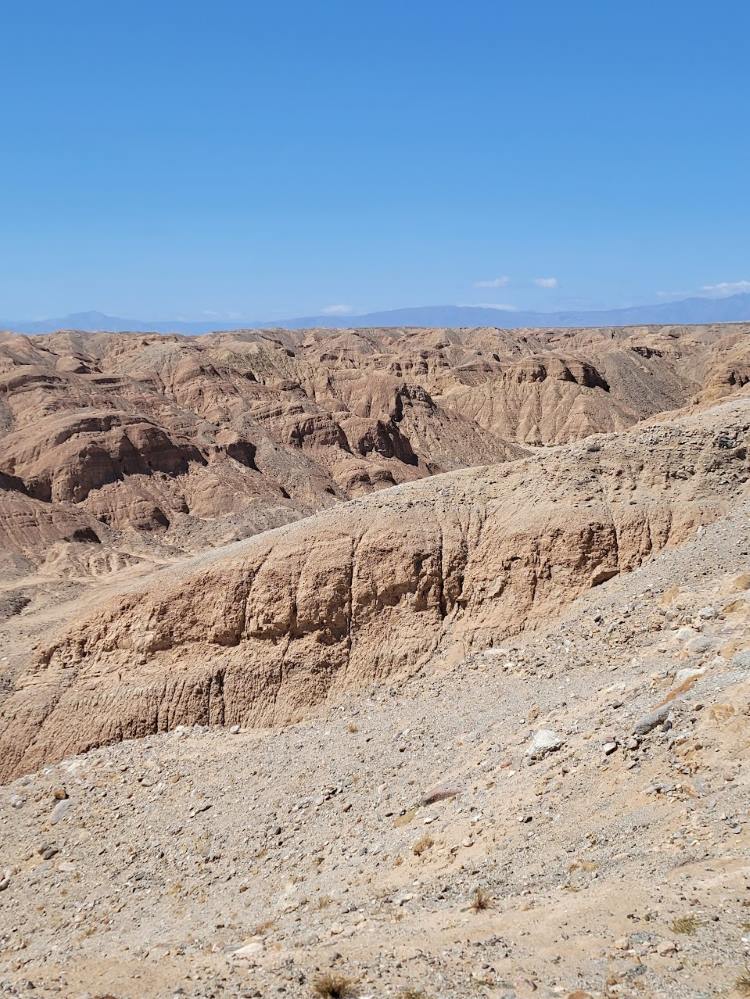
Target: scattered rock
60 810
544 741
649 722
441 793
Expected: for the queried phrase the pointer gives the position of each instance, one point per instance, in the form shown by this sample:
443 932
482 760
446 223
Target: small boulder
440 793
649 722
544 741
59 812
250 952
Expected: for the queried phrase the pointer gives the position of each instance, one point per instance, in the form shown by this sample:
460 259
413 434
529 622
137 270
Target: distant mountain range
733 309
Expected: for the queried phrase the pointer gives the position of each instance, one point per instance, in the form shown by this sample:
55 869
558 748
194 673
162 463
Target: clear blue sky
249 159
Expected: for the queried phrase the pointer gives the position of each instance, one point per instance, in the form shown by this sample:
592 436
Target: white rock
685 634
683 675
544 741
249 951
59 812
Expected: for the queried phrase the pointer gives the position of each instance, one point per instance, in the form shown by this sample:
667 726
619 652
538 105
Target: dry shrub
422 844
331 985
685 924
480 900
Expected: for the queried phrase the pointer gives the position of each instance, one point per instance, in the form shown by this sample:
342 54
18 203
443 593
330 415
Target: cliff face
375 587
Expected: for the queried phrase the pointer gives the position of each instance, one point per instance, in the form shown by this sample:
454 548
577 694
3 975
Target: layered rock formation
161 445
375 587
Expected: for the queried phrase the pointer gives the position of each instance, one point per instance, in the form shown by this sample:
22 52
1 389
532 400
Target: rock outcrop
376 587
172 444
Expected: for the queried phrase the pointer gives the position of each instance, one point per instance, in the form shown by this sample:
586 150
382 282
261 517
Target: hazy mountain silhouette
734 308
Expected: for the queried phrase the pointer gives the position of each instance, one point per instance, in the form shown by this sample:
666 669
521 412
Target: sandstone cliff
375 587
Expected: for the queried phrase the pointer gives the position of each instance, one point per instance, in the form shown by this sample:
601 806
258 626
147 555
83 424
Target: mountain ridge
688 311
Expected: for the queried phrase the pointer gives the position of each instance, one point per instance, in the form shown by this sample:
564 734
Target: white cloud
548 282
337 310
499 282
726 288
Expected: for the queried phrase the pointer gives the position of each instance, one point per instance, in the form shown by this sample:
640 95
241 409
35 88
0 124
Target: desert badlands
390 663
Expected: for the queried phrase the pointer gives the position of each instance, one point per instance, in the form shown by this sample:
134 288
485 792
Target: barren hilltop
375 662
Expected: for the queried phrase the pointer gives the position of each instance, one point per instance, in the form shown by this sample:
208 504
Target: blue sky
261 160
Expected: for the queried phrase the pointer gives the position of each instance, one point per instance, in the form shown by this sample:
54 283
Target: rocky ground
562 816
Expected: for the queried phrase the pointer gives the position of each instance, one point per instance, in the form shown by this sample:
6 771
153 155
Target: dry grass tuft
685 924
480 900
742 985
351 727
412 994
422 844
331 985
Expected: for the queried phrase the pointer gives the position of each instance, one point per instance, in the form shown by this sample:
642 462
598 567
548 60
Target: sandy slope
178 850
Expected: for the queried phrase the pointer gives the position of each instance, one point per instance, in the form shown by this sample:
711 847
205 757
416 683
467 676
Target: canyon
225 549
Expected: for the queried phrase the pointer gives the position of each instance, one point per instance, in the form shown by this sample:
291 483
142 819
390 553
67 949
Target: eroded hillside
374 588
119 448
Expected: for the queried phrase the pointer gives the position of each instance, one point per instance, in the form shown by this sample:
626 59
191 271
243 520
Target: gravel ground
503 825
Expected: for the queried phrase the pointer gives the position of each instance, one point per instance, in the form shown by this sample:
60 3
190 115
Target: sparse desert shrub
742 985
331 985
480 900
351 727
324 901
685 924
412 994
422 844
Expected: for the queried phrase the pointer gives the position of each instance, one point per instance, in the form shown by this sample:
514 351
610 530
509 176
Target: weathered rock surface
154 446
201 864
373 588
